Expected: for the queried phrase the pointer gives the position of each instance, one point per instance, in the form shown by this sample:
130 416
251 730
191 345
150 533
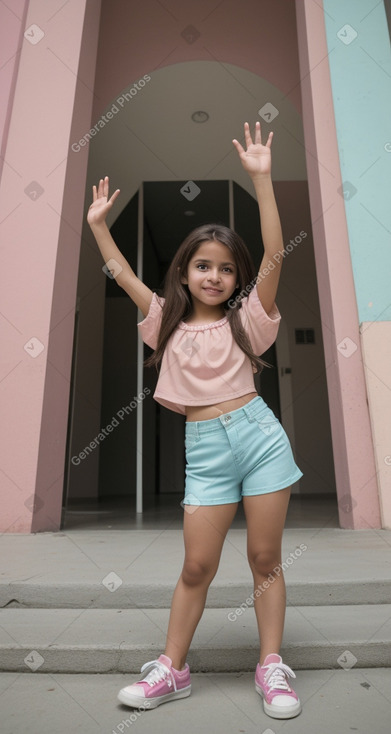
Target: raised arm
126 278
256 160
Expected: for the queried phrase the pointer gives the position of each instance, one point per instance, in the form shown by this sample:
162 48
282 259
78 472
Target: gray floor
317 511
334 702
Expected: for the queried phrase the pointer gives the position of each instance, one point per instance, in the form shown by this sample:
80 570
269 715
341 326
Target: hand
256 160
100 206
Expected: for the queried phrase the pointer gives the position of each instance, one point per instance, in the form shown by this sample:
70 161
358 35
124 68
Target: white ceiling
153 138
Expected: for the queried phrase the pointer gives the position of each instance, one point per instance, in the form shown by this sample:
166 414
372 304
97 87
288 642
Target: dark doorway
167 218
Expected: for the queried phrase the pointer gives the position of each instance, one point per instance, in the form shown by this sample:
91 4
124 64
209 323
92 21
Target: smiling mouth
212 290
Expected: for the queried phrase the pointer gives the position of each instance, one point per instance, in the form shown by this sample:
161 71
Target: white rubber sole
279 712
130 699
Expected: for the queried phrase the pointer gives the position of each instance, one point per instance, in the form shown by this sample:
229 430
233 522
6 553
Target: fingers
258 138
103 186
247 135
238 147
102 190
114 196
269 140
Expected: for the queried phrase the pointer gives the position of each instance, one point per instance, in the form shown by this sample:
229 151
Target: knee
264 562
196 572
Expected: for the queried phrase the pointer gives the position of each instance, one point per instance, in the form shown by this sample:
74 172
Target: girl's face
212 273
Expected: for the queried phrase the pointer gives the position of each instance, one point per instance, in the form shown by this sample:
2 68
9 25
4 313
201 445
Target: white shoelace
275 676
158 672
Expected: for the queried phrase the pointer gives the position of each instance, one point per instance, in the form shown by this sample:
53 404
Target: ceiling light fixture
200 116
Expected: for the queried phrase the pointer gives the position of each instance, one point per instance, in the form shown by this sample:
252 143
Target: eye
228 269
201 265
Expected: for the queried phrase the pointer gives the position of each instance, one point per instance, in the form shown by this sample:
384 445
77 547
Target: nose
214 276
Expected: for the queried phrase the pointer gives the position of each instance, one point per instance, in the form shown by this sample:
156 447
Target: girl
207 333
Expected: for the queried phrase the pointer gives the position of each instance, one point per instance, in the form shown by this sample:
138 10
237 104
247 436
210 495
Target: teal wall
360 70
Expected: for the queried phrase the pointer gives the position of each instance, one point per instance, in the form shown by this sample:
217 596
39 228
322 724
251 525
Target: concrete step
111 590
226 640
140 568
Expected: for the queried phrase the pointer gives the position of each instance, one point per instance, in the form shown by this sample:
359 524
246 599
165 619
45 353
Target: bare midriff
206 412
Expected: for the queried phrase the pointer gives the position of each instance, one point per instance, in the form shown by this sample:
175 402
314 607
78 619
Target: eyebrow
202 260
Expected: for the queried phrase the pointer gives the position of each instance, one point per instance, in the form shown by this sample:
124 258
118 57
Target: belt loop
249 413
251 409
193 428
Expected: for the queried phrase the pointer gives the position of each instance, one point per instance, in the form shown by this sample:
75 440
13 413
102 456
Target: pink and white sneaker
279 699
161 683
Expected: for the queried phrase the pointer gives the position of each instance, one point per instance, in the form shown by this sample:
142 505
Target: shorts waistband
214 425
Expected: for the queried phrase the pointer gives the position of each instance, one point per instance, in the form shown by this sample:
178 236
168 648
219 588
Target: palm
101 205
256 160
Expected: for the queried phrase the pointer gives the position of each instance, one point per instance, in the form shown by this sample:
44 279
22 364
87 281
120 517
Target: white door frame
285 386
140 344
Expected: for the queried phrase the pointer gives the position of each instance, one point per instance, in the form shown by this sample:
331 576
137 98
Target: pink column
42 196
376 349
355 469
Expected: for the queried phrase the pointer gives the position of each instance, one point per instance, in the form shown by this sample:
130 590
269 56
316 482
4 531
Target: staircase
99 601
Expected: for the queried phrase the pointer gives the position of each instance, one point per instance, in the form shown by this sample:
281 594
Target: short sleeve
150 326
261 328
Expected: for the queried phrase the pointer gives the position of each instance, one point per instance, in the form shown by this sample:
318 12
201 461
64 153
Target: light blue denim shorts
242 453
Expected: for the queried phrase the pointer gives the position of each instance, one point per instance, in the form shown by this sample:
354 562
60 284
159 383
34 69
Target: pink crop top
202 363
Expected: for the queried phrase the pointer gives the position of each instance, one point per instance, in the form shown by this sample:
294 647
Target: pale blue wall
361 87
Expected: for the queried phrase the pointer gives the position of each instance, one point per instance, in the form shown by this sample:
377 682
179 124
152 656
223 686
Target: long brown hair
178 304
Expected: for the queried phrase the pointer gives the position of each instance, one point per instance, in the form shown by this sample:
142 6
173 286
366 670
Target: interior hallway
308 511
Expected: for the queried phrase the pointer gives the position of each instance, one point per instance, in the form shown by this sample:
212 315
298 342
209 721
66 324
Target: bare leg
265 516
204 529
